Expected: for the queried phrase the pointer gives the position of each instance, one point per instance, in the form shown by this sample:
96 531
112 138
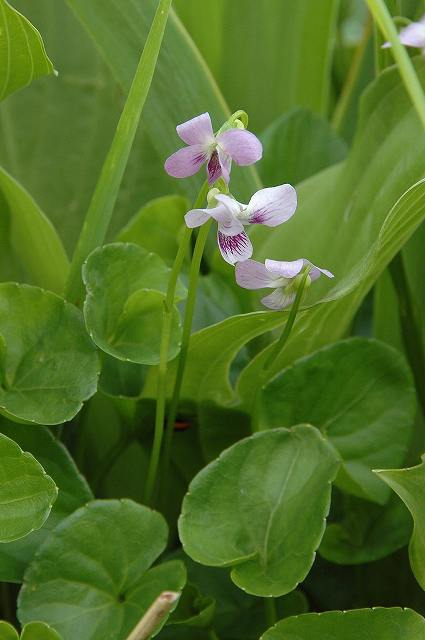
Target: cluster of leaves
240 518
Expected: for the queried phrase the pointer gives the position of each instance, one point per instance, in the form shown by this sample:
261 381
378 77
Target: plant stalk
163 355
105 194
270 611
275 352
411 82
154 616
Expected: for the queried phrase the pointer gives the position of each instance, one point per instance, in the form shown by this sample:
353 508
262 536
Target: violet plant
203 434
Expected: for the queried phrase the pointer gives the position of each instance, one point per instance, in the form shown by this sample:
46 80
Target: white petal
251 274
413 35
272 206
198 130
234 248
196 217
278 299
285 269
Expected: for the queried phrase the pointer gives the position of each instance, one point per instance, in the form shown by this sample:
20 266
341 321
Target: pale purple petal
226 222
272 206
241 145
214 168
186 162
278 299
197 130
285 269
225 163
251 274
315 272
411 36
232 205
196 217
234 248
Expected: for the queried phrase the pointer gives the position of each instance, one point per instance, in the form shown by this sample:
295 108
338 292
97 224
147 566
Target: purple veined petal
186 162
214 168
285 269
196 218
198 130
234 248
273 205
278 299
241 145
251 274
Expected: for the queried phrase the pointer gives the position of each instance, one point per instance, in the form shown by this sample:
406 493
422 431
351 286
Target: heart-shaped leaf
409 484
368 418
39 631
73 492
126 289
22 53
49 366
360 624
27 493
104 581
260 508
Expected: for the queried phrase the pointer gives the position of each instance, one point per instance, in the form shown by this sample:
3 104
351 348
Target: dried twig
153 616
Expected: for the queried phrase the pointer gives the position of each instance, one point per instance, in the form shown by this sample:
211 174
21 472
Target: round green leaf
49 365
7 632
73 492
124 306
409 484
92 579
27 493
360 624
260 508
39 631
360 394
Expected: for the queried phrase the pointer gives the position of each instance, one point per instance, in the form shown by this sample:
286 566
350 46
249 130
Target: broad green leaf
157 226
39 631
7 632
266 531
73 492
22 54
29 239
220 427
50 365
368 419
298 145
273 43
123 310
360 624
104 581
27 493
193 610
366 532
409 484
372 224
120 378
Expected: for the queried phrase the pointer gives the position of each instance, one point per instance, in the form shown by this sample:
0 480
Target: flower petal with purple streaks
241 145
186 162
251 274
273 205
234 248
198 130
214 168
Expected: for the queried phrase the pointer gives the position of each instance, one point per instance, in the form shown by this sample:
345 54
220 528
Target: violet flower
217 151
283 277
412 36
270 206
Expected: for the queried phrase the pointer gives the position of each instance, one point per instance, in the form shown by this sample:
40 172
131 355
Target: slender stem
270 609
411 82
275 351
212 635
167 320
343 103
104 197
187 329
154 616
410 325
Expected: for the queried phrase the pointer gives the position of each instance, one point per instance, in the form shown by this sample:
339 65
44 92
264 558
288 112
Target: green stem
163 354
104 197
187 329
212 635
270 610
275 352
413 87
410 325
343 103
